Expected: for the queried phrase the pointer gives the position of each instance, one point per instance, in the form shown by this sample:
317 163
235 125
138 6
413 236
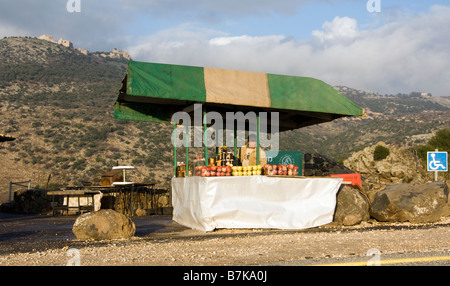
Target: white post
436 172
10 190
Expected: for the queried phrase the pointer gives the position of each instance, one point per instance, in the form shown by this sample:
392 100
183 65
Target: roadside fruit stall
235 186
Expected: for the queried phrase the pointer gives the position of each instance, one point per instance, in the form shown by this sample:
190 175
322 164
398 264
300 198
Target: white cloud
8 30
339 29
410 54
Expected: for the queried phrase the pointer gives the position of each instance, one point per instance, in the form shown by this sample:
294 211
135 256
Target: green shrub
380 153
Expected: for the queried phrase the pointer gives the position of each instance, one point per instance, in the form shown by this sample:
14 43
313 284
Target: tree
441 141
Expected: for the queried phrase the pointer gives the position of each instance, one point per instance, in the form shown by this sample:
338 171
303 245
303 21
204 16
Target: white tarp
208 203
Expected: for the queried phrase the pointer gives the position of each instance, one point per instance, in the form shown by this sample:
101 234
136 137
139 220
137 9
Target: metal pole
175 150
235 143
436 172
10 191
188 138
257 138
205 137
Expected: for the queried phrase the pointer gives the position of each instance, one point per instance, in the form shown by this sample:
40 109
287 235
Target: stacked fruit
213 171
247 170
281 170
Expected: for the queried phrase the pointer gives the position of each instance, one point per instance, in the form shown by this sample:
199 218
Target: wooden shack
112 176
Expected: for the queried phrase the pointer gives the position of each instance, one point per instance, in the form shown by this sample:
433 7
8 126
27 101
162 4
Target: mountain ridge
58 102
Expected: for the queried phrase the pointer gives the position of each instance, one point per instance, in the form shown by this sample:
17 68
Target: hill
58 102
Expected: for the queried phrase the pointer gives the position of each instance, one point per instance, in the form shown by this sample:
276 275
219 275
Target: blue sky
402 48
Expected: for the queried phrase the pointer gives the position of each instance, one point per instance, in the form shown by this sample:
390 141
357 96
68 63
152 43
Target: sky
383 46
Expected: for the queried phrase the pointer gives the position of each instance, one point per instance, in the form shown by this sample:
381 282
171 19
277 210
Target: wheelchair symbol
435 164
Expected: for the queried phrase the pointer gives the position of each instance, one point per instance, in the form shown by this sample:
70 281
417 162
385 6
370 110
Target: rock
103 224
446 210
401 166
352 207
416 203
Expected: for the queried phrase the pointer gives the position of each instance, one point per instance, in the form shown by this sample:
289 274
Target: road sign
437 161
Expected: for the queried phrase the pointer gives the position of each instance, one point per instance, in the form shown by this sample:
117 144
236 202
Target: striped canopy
154 92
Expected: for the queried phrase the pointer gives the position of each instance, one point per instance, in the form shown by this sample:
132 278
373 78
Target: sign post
437 162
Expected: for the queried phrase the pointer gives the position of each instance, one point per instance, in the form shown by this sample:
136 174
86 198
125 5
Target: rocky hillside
57 101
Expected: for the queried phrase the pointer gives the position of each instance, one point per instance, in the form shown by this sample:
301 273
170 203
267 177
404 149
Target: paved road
31 233
376 258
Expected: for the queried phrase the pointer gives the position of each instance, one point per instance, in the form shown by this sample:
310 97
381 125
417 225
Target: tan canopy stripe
236 87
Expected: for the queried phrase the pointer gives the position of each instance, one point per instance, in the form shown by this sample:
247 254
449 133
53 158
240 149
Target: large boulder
352 207
103 224
416 203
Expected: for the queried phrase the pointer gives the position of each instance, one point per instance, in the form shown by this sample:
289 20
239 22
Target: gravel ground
160 241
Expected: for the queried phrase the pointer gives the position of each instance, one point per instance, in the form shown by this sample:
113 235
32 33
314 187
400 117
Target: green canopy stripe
308 94
141 112
166 81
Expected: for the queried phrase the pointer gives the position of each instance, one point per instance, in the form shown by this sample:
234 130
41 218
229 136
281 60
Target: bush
380 153
441 141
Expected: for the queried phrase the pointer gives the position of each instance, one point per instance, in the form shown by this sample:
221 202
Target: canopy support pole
235 144
188 138
257 138
175 150
205 136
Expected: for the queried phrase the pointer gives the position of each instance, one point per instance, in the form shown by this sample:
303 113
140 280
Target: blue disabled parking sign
437 161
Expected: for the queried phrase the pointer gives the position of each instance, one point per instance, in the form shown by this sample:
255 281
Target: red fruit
290 172
228 174
207 174
213 168
290 166
213 173
274 167
295 167
208 168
